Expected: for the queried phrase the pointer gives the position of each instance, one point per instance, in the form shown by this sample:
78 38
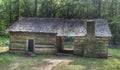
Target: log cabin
46 35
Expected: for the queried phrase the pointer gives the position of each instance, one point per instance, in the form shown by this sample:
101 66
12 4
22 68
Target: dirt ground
46 64
49 64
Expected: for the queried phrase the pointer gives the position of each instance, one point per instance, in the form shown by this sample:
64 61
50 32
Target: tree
10 10
36 6
99 8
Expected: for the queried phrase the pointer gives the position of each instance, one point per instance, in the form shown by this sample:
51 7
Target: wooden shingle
60 26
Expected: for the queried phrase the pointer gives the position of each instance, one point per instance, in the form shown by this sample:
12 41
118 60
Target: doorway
68 44
65 45
30 45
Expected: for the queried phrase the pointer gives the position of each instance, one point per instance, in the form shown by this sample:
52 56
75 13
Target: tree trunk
99 8
10 12
35 10
27 8
17 11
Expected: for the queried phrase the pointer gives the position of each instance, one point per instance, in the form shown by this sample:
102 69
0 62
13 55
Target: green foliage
4 41
24 61
78 63
112 63
7 58
114 52
115 29
114 20
10 10
68 39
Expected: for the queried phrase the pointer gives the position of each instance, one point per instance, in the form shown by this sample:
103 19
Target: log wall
97 47
44 43
78 45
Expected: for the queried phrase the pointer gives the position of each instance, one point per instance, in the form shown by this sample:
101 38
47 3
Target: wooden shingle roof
60 26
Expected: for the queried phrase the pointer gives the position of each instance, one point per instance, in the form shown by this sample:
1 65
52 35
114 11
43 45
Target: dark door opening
65 45
30 45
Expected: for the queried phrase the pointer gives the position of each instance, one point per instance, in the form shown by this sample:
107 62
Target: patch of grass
7 61
22 62
114 52
81 63
6 58
4 41
90 64
67 46
96 64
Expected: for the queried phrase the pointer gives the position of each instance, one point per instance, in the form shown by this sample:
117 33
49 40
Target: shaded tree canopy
10 10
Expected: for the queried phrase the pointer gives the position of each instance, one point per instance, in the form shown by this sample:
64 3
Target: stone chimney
90 29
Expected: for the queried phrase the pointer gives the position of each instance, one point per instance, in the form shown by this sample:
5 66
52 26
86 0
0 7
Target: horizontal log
44 50
79 38
16 49
32 34
76 40
45 34
43 46
19 49
36 41
25 35
79 43
18 40
45 43
17 45
104 42
104 39
44 38
17 37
